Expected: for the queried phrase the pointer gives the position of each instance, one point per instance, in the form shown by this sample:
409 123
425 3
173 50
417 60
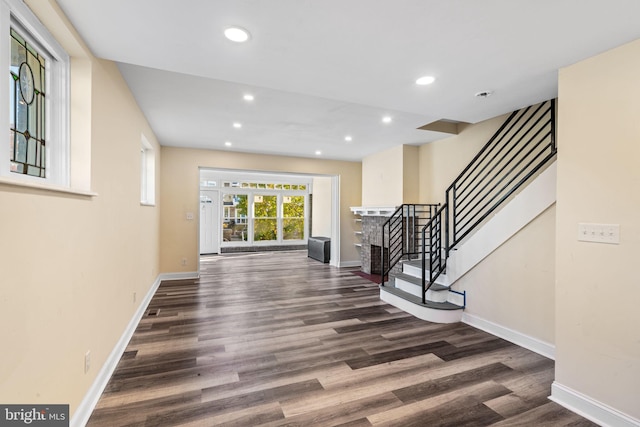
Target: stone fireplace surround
372 221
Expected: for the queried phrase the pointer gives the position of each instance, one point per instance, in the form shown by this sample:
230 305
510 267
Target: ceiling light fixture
237 34
386 119
248 97
425 80
318 152
228 144
237 125
348 138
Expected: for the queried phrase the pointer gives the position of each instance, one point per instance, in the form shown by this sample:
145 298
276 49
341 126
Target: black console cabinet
320 248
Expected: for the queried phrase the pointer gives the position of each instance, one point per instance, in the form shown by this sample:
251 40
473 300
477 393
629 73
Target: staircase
404 290
506 185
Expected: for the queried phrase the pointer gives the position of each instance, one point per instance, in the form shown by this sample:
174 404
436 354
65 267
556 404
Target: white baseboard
180 276
541 347
84 410
589 408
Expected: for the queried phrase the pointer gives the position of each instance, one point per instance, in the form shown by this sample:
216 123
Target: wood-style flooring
279 339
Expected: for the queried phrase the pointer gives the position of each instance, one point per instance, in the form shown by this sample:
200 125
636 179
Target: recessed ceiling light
248 97
228 144
237 34
386 119
318 152
425 80
237 125
348 138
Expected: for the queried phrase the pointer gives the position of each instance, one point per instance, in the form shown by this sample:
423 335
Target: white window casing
15 14
147 173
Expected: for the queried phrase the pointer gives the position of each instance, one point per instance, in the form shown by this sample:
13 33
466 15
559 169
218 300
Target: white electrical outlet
599 233
184 262
87 361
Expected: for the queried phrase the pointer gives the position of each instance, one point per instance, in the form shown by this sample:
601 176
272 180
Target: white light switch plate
599 233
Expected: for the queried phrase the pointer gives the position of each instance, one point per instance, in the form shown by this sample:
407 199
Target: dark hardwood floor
280 339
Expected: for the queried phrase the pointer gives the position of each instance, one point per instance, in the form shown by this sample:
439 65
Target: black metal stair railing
401 236
520 148
432 234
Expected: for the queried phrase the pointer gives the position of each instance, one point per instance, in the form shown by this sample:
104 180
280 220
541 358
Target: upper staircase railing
520 148
401 235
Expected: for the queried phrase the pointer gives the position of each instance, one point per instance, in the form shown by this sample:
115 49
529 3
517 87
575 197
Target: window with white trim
147 173
260 216
36 107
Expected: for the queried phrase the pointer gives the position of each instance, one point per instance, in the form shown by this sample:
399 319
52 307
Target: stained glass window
27 101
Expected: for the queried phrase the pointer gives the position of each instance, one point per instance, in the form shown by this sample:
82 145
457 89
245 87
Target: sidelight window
234 217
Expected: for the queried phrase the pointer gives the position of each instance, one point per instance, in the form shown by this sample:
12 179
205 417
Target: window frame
147 173
305 217
280 194
253 218
15 14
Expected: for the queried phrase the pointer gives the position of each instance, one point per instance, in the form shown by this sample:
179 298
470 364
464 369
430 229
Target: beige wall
321 215
390 177
382 178
70 264
514 286
597 293
442 161
179 182
410 174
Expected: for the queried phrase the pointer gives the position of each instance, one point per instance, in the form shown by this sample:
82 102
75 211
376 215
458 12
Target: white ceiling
324 69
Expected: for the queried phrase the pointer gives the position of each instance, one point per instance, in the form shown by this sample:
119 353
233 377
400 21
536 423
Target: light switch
611 233
189 216
599 233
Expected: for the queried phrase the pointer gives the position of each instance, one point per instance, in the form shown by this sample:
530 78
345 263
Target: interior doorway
321 217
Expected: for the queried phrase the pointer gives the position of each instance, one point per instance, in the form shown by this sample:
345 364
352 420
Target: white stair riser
409 287
435 296
415 272
411 270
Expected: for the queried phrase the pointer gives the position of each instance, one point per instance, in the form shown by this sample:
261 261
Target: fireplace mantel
373 210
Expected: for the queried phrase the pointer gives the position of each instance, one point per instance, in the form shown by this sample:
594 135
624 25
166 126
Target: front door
209 222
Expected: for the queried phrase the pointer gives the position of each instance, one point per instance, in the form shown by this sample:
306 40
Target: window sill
152 205
46 187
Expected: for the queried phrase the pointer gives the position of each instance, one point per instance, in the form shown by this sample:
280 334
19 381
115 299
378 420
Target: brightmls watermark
34 415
